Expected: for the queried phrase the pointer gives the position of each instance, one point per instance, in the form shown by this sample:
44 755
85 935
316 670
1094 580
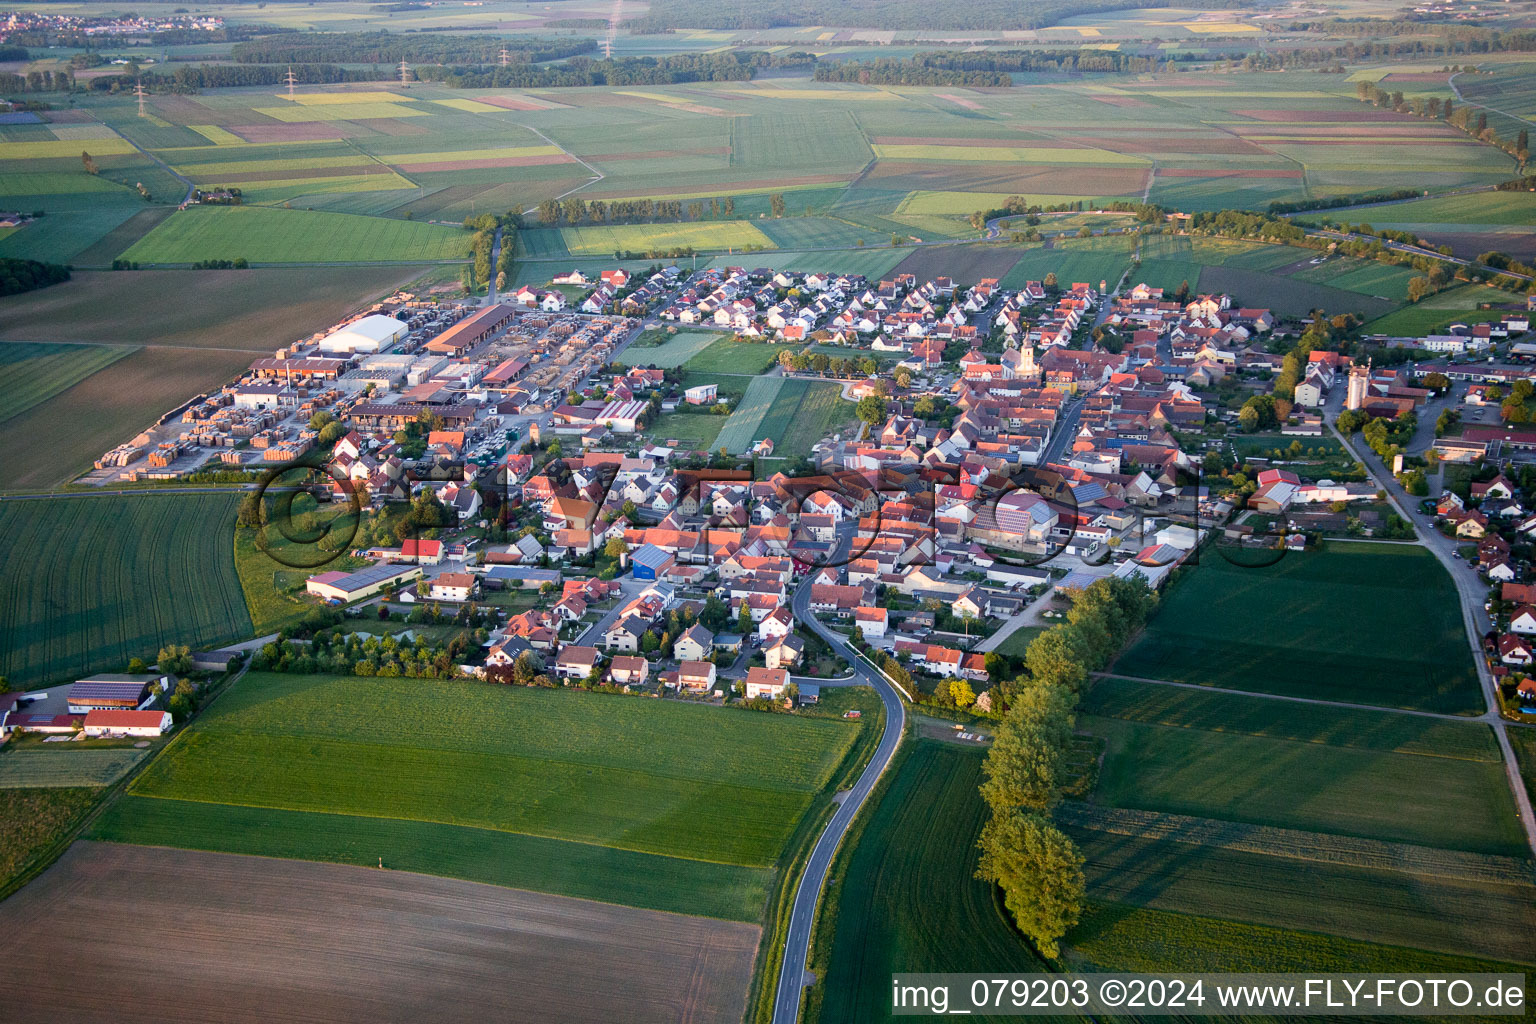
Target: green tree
175 659
961 693
871 409
90 165
1026 763
1040 872
616 547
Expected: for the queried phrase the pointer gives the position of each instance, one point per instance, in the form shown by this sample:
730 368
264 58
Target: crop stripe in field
736 435
1295 844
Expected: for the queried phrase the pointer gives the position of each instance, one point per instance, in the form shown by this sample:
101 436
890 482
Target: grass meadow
1359 623
294 236
741 430
570 768
76 765
702 235
475 854
727 355
1459 802
906 892
672 351
112 578
32 821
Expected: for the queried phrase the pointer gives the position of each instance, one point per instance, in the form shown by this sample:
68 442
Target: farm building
703 394
113 692
354 586
370 334
102 723
47 725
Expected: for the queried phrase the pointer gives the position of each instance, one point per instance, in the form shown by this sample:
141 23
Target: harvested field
1006 178
56 440
742 429
349 944
965 264
1309 116
254 311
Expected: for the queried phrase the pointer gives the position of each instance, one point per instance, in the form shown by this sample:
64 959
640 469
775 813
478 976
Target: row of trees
576 210
728 66
992 68
351 654
1037 865
388 48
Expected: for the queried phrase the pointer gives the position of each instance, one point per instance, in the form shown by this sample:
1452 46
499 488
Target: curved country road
793 976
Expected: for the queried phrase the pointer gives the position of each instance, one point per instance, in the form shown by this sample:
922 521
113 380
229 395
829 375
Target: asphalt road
793 975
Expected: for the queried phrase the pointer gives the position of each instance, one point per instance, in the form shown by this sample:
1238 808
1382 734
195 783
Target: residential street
793 976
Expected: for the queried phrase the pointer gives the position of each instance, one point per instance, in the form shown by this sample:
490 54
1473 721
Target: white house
104 723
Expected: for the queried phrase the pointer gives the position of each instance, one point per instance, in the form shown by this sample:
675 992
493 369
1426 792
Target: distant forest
903 15
978 69
388 48
737 66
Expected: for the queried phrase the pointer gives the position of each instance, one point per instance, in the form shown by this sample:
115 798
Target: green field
729 356
1434 314
33 373
817 412
1502 209
1459 802
64 765
702 235
571 769
908 898
672 352
693 431
112 578
453 851
741 430
1360 623
264 235
1113 936
32 821
1402 895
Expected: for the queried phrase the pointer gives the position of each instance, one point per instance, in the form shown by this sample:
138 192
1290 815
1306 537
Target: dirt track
126 933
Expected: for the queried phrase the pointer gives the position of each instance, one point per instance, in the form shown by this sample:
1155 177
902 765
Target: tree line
987 69
732 66
387 48
980 15
1038 866
576 210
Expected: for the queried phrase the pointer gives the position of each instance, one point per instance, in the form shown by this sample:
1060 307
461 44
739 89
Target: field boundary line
1299 844
1444 716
